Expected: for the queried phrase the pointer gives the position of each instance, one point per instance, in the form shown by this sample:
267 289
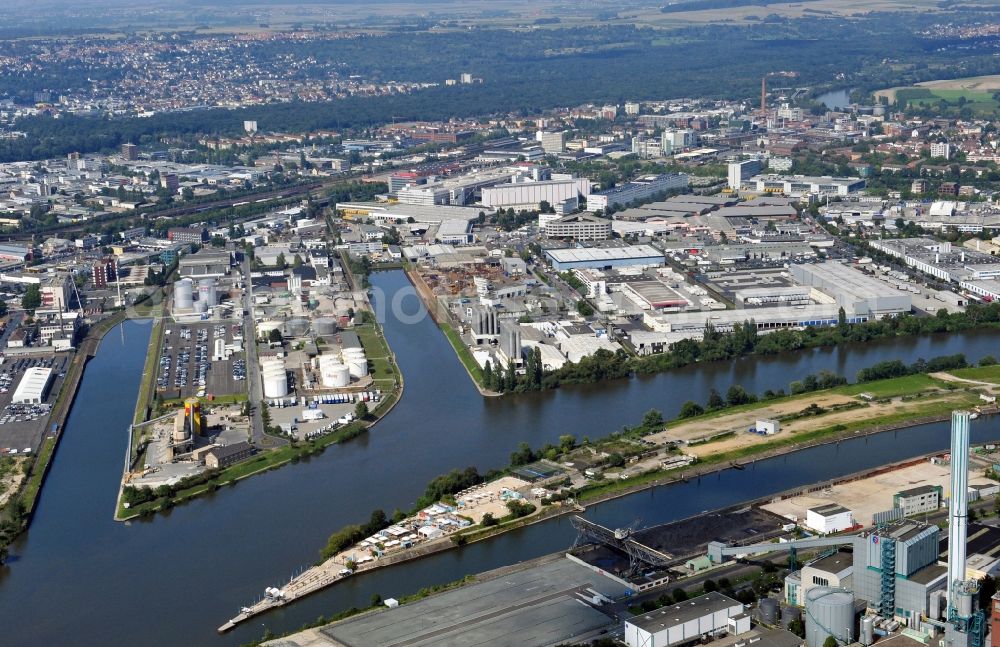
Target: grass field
977 96
982 374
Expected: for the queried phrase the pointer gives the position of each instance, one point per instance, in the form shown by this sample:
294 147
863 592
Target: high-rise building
170 182
942 149
130 152
739 171
631 108
466 77
250 126
105 272
552 142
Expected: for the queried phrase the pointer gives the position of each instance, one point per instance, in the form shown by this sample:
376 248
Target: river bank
933 400
237 541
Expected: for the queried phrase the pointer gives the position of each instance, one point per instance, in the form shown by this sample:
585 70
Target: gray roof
677 614
920 489
829 508
230 450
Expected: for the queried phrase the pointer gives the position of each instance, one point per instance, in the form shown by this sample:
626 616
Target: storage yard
868 496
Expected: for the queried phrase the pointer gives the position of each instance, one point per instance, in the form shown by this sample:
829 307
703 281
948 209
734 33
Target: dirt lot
477 501
871 495
740 422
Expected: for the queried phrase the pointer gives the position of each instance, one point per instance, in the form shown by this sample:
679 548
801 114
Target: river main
77 577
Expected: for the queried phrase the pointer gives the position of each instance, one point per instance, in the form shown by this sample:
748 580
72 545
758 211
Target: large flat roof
33 384
542 602
584 254
678 614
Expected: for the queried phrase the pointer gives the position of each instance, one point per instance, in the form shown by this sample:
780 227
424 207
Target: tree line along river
77 577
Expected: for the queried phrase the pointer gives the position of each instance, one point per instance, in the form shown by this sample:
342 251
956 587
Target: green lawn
34 484
894 387
981 373
978 101
464 354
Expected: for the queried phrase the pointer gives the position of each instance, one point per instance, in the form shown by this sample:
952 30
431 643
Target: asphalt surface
24 426
219 376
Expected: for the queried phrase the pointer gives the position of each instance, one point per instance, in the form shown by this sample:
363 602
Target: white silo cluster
275 380
334 373
184 293
356 362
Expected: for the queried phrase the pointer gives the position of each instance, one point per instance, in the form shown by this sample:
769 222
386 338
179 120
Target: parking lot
187 366
22 426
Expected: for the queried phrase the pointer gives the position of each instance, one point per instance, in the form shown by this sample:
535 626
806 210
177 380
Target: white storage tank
333 373
183 294
206 291
201 306
274 378
829 612
358 367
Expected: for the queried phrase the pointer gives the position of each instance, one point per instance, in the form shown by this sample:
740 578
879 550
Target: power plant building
688 621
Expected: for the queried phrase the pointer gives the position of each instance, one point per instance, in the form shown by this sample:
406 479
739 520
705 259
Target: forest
527 72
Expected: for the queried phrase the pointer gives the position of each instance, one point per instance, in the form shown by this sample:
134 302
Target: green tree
584 308
715 400
32 298
652 419
361 411
488 520
680 595
797 627
488 375
280 263
691 409
274 336
830 642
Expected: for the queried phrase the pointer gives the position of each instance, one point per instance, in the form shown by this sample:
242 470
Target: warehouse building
205 263
693 324
579 227
800 185
689 621
829 518
856 292
941 259
602 258
528 195
637 190
34 386
221 457
926 498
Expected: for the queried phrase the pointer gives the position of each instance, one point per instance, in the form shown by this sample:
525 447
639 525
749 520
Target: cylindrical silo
206 291
336 376
829 612
201 306
769 611
183 297
867 630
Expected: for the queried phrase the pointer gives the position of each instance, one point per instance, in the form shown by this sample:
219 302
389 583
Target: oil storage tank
356 362
333 373
297 327
829 612
273 376
325 326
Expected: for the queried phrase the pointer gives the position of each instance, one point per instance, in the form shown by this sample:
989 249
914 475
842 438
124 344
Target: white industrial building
856 292
605 257
740 171
693 324
941 259
829 518
579 227
528 194
34 386
637 190
705 615
800 185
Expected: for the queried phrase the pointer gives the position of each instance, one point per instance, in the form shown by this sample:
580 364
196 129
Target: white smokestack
957 530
